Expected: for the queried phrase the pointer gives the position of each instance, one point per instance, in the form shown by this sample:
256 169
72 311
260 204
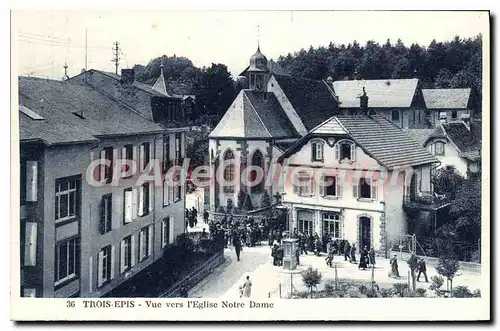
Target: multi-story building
86 228
270 113
449 105
351 178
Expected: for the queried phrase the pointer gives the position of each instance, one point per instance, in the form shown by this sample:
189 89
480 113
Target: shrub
221 209
386 293
362 289
229 205
330 286
411 294
400 288
241 199
311 278
437 282
421 292
476 293
461 292
353 292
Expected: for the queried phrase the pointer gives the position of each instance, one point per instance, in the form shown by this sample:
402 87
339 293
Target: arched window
229 171
257 161
345 150
395 115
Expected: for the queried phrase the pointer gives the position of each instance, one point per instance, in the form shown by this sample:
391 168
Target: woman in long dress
247 286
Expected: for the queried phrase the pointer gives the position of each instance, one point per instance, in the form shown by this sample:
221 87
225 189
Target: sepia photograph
250 160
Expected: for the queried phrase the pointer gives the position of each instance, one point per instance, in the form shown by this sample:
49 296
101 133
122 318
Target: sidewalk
266 279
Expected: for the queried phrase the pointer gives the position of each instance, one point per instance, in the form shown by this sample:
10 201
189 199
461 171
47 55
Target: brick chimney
128 76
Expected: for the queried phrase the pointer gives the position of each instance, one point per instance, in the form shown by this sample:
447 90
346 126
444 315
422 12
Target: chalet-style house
447 104
351 177
81 234
456 144
270 113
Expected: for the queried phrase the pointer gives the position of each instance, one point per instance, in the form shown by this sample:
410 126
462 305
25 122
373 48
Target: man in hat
422 268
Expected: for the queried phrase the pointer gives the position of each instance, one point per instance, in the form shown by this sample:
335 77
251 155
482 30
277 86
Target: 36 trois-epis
204 304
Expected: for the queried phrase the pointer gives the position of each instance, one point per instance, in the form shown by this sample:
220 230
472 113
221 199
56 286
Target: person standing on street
237 246
422 268
353 253
205 216
347 250
247 287
372 256
194 216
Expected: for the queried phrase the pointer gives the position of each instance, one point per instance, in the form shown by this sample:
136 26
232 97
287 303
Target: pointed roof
160 86
254 115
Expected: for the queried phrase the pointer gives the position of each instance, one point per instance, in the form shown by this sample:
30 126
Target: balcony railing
425 201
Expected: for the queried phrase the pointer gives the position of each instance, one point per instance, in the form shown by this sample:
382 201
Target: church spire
160 86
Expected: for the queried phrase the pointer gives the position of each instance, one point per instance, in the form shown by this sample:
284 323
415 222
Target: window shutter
373 184
133 250
312 186
140 209
122 256
112 269
322 187
313 151
338 190
142 245
295 186
183 145
134 203
134 159
114 172
123 169
151 196
91 273
128 206
165 192
171 193
320 151
337 151
103 216
30 244
102 171
355 188
141 157
31 180
171 230
100 260
150 240
353 152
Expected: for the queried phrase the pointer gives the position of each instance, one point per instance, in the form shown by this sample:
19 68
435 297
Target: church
271 112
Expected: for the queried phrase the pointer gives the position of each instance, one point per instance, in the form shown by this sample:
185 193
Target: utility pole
116 54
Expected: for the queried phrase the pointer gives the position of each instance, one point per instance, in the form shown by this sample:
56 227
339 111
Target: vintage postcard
250 165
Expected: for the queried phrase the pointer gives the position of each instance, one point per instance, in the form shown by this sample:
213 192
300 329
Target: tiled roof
254 115
385 142
423 135
57 102
446 98
383 93
313 100
467 141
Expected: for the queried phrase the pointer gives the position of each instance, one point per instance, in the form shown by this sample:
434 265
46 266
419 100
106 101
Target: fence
195 276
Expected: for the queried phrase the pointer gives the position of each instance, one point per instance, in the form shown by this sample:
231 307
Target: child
241 291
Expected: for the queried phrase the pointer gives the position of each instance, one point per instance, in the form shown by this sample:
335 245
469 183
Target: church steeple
258 71
160 86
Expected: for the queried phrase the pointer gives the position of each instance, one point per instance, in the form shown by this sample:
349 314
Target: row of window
344 150
331 187
133 248
230 171
331 225
128 152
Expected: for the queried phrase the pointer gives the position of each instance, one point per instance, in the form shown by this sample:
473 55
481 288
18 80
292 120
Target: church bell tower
258 72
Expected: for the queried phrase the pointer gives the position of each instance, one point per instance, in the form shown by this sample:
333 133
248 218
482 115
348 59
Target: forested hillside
450 64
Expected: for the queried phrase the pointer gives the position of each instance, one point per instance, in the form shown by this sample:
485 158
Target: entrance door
365 231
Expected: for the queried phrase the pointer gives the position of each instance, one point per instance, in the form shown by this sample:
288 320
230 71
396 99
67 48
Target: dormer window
439 148
345 150
317 150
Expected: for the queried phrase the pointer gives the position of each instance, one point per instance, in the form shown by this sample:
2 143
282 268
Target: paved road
228 276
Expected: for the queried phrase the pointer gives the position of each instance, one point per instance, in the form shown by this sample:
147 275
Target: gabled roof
467 141
313 100
446 98
274 68
422 136
159 85
382 93
254 115
74 113
378 137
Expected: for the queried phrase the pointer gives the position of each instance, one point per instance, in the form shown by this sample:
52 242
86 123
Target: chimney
466 119
363 102
443 117
127 76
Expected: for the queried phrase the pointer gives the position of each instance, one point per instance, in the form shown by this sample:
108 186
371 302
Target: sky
42 41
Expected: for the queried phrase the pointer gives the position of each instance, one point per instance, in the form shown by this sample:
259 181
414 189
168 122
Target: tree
311 278
265 200
247 204
447 182
241 198
412 264
466 210
448 267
